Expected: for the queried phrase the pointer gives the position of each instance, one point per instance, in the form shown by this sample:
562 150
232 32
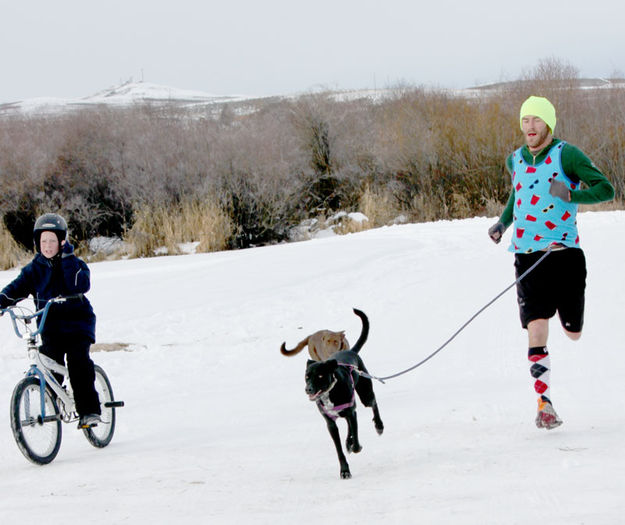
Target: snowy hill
146 91
131 93
124 95
217 427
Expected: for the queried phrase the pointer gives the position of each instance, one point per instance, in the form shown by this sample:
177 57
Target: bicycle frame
41 365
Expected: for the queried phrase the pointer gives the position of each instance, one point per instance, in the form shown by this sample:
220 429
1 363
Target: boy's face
49 244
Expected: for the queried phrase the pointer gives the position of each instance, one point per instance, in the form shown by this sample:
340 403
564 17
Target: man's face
536 132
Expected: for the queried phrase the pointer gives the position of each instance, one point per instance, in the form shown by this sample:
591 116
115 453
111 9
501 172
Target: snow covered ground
217 427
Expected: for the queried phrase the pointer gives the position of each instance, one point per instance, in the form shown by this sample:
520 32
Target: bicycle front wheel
36 426
101 435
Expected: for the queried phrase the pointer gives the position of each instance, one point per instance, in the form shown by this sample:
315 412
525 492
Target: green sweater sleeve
577 165
507 216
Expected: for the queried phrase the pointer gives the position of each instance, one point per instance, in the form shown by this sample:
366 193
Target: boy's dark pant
80 368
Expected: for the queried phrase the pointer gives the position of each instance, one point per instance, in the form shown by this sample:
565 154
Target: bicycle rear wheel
38 437
101 435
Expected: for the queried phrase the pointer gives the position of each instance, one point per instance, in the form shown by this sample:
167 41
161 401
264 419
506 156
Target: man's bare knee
574 336
538 332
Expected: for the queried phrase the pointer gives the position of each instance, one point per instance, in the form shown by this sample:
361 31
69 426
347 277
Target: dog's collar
325 393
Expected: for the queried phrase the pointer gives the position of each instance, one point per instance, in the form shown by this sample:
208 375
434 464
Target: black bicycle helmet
49 222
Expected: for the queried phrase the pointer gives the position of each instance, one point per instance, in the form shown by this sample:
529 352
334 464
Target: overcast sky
75 48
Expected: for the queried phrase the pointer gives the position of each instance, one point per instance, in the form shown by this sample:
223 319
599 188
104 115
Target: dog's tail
365 331
300 346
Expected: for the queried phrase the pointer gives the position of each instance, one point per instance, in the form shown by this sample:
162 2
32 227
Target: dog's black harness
323 399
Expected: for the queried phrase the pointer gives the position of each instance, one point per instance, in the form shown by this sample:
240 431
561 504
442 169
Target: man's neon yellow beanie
539 107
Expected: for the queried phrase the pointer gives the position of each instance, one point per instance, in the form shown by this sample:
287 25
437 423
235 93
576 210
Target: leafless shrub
163 229
378 206
11 253
425 154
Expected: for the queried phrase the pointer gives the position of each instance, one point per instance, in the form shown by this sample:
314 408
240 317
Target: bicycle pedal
89 421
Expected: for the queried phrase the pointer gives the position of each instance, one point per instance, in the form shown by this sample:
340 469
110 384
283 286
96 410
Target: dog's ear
331 365
310 362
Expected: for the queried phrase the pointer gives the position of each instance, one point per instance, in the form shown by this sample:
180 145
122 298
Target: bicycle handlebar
28 317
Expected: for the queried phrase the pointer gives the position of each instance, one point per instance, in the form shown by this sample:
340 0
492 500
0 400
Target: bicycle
40 403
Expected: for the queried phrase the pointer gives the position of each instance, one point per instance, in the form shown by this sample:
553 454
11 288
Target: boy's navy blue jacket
45 279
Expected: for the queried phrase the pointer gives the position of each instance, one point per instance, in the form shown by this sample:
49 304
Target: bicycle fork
34 371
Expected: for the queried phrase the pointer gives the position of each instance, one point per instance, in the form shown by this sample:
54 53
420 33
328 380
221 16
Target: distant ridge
133 93
146 91
582 83
127 94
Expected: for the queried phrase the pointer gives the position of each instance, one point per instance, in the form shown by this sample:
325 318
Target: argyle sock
540 369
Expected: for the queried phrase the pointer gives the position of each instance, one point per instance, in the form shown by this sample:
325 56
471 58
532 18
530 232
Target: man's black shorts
557 284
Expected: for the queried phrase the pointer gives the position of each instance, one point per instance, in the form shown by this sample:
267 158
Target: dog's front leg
352 443
377 420
334 434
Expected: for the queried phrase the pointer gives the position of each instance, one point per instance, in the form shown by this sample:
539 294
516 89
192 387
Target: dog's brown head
335 340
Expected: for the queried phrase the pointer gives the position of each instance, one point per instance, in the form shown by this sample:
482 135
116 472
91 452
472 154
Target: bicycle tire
102 434
37 439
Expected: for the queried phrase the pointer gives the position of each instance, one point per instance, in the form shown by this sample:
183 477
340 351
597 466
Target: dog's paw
352 445
379 426
345 473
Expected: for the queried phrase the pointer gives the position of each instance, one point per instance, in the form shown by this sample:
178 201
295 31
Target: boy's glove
496 231
560 190
67 250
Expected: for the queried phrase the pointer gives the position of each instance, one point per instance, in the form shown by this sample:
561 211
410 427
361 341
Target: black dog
333 385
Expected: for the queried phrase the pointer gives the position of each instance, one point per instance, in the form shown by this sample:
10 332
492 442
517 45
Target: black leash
522 276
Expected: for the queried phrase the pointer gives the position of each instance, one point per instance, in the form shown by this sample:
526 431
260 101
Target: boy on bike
69 329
